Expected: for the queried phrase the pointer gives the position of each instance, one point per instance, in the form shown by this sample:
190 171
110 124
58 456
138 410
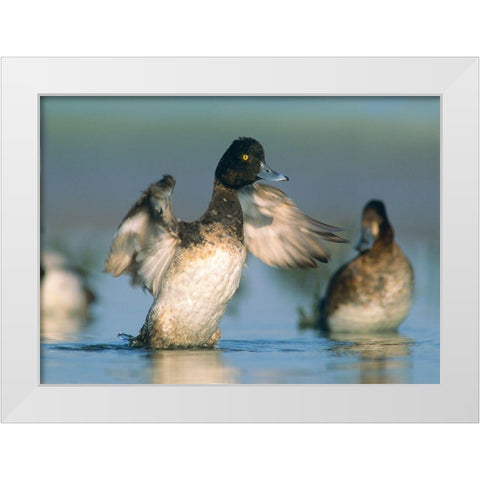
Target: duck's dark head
375 226
244 163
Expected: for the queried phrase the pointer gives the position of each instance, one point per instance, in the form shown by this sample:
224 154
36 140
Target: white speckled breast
194 295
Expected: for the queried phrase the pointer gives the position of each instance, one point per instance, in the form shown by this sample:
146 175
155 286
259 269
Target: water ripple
265 345
82 347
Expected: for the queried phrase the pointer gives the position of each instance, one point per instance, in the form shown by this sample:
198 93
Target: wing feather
279 233
145 242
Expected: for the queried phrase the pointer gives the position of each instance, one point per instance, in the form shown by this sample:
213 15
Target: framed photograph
381 155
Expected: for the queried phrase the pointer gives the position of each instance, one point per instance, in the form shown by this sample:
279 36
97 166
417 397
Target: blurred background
99 153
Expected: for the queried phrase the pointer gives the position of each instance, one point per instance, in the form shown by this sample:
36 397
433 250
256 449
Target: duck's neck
385 241
224 207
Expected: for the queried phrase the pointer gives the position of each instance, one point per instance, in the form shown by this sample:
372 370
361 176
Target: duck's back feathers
145 242
279 233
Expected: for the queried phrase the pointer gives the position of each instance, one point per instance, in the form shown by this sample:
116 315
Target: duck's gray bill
366 240
266 173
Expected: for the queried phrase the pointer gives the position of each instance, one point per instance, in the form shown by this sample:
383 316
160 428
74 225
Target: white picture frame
25 80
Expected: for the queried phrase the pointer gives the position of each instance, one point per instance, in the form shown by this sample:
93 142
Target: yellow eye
244 157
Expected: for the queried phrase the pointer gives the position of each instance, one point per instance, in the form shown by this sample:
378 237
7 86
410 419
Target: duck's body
193 269
373 292
183 316
370 294
65 298
203 276
63 289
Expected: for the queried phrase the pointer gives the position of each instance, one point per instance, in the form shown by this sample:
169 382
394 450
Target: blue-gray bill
366 240
266 173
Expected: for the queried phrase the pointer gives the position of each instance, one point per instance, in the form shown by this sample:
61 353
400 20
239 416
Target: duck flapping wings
275 229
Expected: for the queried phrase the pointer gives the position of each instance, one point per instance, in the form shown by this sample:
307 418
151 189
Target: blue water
98 154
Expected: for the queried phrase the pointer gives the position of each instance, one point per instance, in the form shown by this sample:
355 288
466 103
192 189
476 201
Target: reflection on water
62 327
190 367
378 358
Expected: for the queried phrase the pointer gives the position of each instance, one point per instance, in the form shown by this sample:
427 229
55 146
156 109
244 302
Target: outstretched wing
279 233
145 242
